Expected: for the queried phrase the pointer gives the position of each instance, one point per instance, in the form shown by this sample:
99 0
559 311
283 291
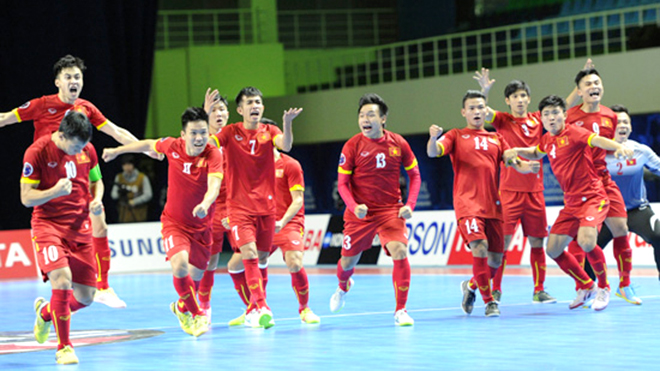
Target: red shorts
591 213
219 233
290 238
54 252
259 229
359 233
617 204
197 244
529 208
473 228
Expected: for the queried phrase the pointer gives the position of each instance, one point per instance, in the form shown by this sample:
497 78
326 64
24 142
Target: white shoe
602 299
401 318
252 319
109 298
266 318
583 296
337 300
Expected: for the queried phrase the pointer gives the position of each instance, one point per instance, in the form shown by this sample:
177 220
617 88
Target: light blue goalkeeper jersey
629 174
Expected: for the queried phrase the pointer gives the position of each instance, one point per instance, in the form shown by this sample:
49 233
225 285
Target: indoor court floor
146 335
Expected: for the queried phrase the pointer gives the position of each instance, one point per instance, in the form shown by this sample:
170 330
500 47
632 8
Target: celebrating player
194 178
369 169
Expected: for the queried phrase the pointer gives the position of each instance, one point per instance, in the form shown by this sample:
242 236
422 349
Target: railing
535 42
297 29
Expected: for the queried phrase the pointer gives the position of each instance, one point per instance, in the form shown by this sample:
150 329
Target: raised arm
119 134
432 149
7 118
285 141
620 151
573 98
110 154
483 78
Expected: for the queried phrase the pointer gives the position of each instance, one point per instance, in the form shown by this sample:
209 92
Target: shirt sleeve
346 159
31 167
163 145
409 159
652 160
446 143
29 110
274 132
496 121
95 116
215 163
294 176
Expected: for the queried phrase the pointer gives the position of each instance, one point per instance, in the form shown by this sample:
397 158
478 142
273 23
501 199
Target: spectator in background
132 190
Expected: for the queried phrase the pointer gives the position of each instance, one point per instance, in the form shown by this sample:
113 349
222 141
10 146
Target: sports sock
401 281
597 261
300 286
240 285
344 276
102 253
498 274
623 255
577 252
264 276
205 288
185 287
570 266
537 262
254 282
481 274
61 315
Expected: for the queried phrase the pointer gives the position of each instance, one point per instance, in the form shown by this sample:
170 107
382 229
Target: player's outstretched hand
63 187
200 211
405 212
210 98
291 114
624 153
96 207
110 154
509 157
483 78
361 211
435 131
589 64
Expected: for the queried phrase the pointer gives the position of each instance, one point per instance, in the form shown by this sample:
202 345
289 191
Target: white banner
136 247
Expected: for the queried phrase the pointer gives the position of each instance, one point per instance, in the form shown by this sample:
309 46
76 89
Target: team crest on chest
493 140
201 162
562 141
82 158
631 162
279 173
263 137
395 152
606 122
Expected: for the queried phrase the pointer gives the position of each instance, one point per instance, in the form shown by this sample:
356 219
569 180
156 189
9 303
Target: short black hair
372 98
618 108
552 101
248 91
583 73
193 114
267 121
514 86
471 94
66 62
76 125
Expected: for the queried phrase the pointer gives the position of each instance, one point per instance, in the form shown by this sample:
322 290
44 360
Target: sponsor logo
23 342
254 287
175 155
579 123
65 318
25 105
238 137
184 297
590 218
464 136
295 242
364 154
28 169
494 140
52 111
303 292
52 164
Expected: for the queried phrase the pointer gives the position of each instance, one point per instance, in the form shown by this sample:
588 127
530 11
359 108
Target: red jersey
476 156
250 167
288 177
375 167
187 179
221 201
572 164
603 123
519 132
48 111
45 164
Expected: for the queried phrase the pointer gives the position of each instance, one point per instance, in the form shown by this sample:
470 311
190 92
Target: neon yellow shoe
238 321
200 325
66 356
185 319
41 327
307 316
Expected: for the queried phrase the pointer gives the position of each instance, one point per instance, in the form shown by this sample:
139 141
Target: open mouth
73 90
595 94
367 127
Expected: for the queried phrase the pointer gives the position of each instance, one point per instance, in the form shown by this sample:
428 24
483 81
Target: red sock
241 286
264 276
401 281
498 273
481 275
597 261
205 288
102 253
75 305
45 313
537 261
344 276
623 255
568 264
300 286
61 316
185 287
577 252
254 282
